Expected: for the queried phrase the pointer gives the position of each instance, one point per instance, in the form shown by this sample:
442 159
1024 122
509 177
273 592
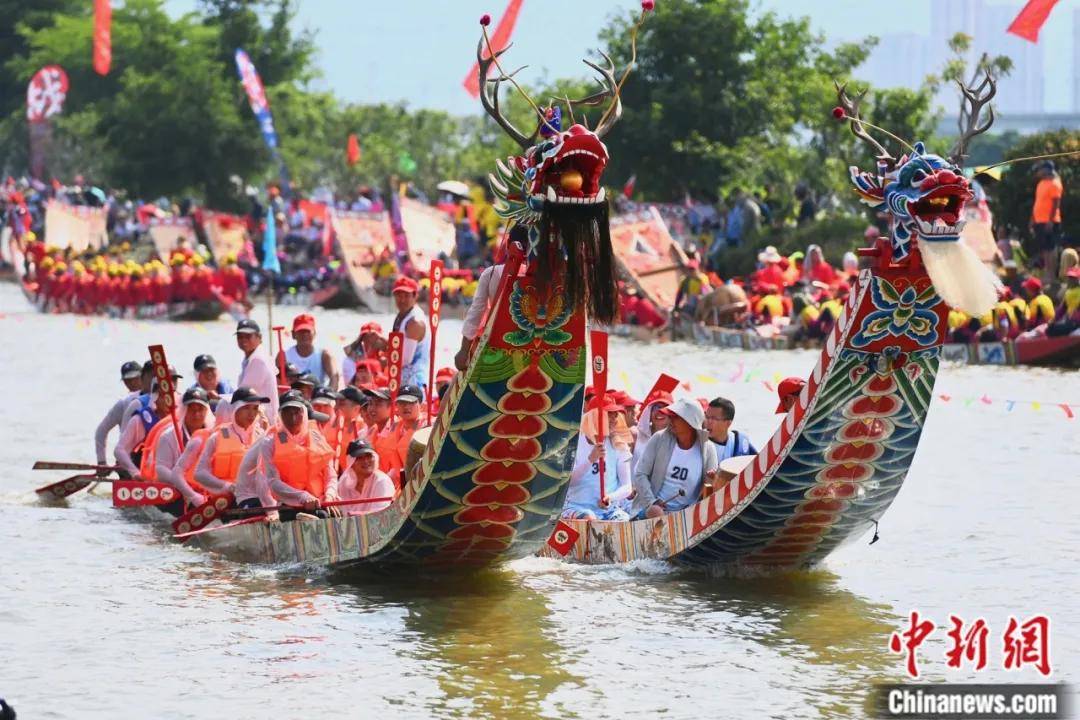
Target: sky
420 50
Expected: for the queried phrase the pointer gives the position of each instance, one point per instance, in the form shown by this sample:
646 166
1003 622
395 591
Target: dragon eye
918 176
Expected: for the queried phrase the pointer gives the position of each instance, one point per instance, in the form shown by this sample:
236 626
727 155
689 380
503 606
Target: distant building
898 61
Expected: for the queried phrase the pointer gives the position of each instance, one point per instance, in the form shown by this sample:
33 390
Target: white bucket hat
688 410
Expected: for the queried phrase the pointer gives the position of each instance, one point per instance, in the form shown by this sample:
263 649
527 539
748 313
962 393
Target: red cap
445 373
371 364
788 386
623 398
371 327
606 403
304 322
661 397
1032 284
406 284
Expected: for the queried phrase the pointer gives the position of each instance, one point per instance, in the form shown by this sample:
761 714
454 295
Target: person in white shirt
487 287
255 370
361 479
131 375
675 464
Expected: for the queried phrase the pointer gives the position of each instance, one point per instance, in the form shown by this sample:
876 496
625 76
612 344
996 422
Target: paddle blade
49 465
133 493
203 515
67 486
664 384
216 528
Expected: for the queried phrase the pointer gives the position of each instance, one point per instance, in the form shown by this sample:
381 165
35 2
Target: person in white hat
675 464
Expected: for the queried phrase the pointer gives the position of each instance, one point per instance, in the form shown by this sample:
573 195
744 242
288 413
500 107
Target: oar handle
55 465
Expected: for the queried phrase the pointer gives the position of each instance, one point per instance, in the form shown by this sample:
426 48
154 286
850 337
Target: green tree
1012 198
22 18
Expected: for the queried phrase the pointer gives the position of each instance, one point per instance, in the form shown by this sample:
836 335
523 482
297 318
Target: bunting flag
1029 22
352 150
102 36
499 40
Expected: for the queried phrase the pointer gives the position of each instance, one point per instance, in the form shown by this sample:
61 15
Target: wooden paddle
67 486
52 465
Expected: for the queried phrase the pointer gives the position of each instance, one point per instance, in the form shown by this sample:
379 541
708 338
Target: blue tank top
147 415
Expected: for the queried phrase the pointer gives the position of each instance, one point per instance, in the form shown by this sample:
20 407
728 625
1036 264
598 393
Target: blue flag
270 258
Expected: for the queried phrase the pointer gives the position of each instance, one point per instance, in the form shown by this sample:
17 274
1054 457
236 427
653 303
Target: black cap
148 367
410 393
247 396
381 393
324 393
306 379
196 395
293 398
248 327
361 447
353 394
130 370
202 362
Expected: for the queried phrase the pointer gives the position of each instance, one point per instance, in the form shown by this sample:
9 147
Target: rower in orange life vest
324 400
217 460
376 411
392 444
162 463
139 432
350 421
291 463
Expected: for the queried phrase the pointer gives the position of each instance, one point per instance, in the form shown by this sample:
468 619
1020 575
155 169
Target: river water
102 617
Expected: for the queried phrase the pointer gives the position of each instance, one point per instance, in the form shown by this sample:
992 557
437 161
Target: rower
324 400
131 376
392 444
729 443
377 410
367 345
367 372
255 370
410 322
161 462
136 434
350 422
651 421
220 459
361 479
788 391
206 377
584 499
291 463
306 384
142 403
675 463
308 358
487 289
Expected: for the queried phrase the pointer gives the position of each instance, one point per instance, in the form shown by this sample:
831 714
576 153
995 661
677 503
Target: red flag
102 37
628 188
563 538
499 40
352 150
1031 19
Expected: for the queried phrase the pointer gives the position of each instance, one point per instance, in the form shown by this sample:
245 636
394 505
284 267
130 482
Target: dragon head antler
850 106
974 99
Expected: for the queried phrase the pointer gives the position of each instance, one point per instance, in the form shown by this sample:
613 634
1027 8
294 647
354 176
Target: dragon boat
493 469
842 452
1062 351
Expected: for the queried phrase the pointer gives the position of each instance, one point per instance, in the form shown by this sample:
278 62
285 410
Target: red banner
132 493
167 386
352 150
434 308
499 40
598 339
1031 19
397 361
102 37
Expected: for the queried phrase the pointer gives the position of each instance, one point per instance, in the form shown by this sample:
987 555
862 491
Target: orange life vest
348 433
393 448
148 464
228 452
189 474
303 467
332 433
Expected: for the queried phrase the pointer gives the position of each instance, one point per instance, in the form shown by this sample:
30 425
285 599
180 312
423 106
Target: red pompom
647 5
485 19
838 112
